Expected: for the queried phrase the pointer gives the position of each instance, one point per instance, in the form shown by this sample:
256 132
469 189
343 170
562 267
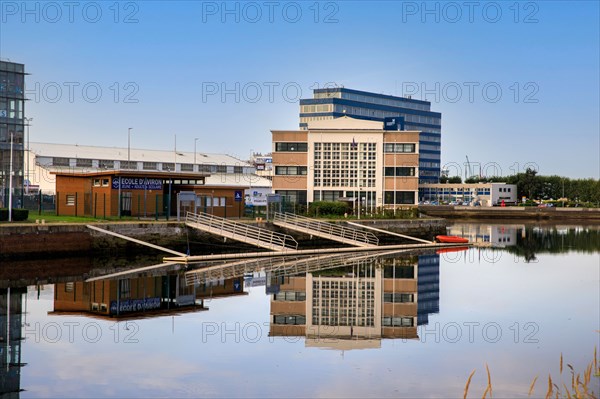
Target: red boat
451 239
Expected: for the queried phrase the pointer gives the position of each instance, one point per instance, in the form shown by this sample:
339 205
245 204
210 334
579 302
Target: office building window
290 320
291 170
187 167
106 164
401 197
399 148
397 297
57 161
238 169
168 166
150 166
399 171
293 196
398 321
83 163
130 165
291 147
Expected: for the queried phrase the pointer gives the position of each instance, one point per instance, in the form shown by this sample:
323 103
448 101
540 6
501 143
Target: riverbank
513 212
30 241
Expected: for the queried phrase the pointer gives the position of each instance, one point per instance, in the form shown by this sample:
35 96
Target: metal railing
241 232
328 230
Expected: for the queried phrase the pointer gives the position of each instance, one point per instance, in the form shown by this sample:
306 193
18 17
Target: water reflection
527 240
12 318
340 302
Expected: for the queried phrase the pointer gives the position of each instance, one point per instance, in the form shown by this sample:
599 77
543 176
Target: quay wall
34 241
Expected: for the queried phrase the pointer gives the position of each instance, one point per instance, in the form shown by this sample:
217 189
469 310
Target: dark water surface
387 325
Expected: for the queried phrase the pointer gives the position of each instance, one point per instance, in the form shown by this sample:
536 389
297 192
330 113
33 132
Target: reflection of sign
135 305
260 166
238 196
183 300
137 183
268 160
237 285
3 113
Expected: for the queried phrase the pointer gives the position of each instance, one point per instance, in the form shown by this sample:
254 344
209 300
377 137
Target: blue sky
517 83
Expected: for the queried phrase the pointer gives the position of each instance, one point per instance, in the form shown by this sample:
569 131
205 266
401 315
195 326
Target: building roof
135 154
346 123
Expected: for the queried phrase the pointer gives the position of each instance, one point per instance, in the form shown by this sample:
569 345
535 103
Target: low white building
44 158
484 194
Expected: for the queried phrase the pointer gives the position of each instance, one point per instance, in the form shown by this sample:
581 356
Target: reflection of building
141 296
12 117
428 287
347 159
497 234
370 300
11 312
336 102
487 194
125 297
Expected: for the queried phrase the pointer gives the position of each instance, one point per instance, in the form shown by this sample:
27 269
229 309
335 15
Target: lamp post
10 179
28 121
195 140
128 146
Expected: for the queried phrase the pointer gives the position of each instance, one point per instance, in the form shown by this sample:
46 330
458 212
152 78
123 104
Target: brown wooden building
142 194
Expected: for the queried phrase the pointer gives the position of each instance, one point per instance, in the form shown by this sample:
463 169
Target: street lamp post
128 146
10 179
195 140
28 120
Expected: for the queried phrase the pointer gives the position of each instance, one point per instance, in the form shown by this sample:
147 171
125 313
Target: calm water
325 327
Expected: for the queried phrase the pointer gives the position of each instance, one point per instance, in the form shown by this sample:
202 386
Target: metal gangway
330 231
284 267
241 232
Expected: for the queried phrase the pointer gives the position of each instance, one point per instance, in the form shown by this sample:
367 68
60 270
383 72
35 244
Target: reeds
581 386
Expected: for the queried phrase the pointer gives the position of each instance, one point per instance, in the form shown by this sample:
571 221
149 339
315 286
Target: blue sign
237 285
238 196
136 183
134 305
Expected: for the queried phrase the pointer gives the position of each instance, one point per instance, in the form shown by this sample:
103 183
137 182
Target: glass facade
12 128
337 102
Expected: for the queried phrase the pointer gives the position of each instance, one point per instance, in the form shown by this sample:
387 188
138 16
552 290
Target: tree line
533 186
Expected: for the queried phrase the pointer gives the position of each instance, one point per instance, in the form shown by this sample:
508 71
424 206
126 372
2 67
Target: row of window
291 170
305 109
399 148
345 150
290 296
335 182
399 197
398 297
395 321
399 171
133 165
291 147
101 182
